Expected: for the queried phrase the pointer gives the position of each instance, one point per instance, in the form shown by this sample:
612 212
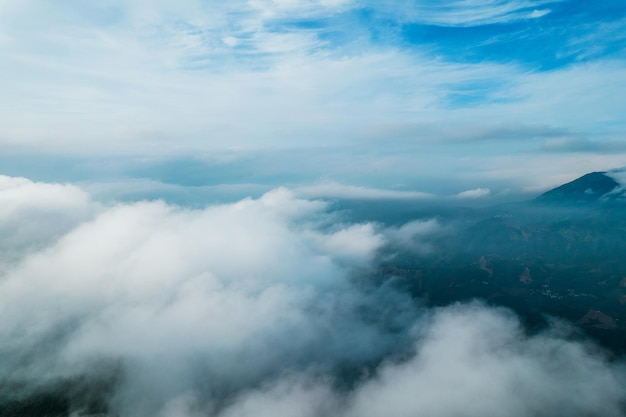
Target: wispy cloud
342 191
537 13
568 145
473 194
153 79
465 13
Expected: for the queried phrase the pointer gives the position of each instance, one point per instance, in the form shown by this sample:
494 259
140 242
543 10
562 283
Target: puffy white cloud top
258 308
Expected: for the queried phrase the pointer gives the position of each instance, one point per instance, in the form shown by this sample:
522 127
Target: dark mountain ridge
590 188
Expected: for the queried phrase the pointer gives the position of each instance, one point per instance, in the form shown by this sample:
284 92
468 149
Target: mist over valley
292 306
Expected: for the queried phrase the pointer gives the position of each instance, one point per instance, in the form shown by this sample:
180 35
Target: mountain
561 258
589 188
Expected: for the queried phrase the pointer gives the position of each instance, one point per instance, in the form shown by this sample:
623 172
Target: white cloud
223 296
475 193
352 244
33 214
414 235
466 13
292 396
477 362
469 360
537 13
249 308
619 175
342 191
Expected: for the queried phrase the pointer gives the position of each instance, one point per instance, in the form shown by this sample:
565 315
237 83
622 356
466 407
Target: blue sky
434 97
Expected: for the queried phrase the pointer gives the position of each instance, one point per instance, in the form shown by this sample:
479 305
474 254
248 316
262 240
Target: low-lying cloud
34 214
473 194
469 360
262 307
342 191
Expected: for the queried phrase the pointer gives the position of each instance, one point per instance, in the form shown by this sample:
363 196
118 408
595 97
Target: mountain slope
592 187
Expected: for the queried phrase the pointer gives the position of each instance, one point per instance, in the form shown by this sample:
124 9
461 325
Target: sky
482 97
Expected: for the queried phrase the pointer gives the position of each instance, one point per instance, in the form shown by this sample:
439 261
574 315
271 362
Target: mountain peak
588 188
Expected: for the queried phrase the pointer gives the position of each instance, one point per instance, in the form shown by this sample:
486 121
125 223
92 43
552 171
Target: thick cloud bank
33 214
469 360
259 308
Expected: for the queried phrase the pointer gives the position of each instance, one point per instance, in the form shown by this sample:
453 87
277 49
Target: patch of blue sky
381 29
557 39
582 27
501 40
573 10
464 98
464 13
289 25
454 43
536 48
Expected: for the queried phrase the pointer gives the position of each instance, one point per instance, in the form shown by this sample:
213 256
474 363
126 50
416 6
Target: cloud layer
219 298
262 307
35 214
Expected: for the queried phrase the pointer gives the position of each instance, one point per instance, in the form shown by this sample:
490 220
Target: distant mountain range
592 187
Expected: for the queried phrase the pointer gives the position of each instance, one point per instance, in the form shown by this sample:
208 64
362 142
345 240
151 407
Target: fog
264 307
